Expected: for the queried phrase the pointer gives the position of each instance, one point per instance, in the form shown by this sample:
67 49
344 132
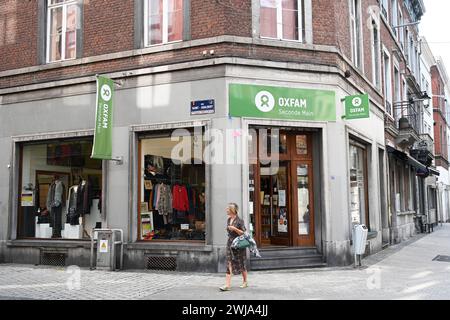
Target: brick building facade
166 55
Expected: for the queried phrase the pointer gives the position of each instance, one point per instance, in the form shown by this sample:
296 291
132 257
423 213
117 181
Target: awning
434 172
411 161
406 158
416 164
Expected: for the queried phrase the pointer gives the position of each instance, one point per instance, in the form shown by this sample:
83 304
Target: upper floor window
394 16
281 19
384 8
63 24
400 33
355 25
387 80
163 21
376 50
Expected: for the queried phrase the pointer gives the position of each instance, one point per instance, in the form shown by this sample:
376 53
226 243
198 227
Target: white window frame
384 4
397 95
165 25
356 38
376 74
280 21
401 32
387 79
51 7
394 16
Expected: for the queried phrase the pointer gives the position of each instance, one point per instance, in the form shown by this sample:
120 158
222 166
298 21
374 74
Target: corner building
169 58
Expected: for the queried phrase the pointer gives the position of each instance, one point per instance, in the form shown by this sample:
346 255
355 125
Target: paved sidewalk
404 271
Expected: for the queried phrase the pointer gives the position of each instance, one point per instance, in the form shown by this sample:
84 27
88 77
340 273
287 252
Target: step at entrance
287 258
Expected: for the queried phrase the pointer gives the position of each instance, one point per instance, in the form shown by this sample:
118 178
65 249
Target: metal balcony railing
407 117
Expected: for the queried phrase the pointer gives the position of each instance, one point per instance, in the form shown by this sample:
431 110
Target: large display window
172 186
60 190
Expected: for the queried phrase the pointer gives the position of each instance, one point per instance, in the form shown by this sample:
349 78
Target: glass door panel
304 211
303 199
274 213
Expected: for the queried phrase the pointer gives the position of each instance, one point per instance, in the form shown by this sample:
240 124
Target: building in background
423 150
439 82
406 121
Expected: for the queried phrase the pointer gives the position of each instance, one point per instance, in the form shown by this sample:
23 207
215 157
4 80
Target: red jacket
180 199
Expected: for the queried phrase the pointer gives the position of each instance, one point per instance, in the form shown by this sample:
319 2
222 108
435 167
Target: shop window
358 185
63 26
163 21
60 190
172 187
281 19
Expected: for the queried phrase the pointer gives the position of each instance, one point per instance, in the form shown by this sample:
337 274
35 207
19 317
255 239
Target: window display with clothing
171 205
66 182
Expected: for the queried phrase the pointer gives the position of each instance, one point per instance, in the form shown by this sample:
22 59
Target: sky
435 27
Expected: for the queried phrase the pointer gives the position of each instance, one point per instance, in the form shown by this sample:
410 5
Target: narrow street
404 271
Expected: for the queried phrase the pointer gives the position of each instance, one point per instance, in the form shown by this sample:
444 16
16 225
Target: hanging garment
158 195
165 200
155 194
180 200
191 197
72 215
179 216
84 198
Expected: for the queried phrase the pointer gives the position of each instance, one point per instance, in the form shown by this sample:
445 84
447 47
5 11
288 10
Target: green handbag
241 243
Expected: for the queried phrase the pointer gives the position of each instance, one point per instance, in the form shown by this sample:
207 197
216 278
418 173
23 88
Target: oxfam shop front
285 150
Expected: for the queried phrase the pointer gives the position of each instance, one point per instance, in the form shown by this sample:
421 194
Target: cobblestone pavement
404 271
30 282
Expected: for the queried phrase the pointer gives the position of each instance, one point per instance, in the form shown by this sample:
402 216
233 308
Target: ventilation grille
168 263
53 259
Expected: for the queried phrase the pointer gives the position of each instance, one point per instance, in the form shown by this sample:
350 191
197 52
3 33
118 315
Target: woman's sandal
244 285
225 288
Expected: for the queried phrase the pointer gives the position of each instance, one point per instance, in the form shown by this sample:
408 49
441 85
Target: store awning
411 161
406 158
416 164
434 172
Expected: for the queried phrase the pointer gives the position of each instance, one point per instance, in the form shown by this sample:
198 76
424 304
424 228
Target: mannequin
55 203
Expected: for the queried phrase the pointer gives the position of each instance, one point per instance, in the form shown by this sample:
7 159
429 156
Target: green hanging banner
102 148
357 107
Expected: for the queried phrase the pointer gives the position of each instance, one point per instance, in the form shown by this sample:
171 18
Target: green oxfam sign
102 148
281 103
357 107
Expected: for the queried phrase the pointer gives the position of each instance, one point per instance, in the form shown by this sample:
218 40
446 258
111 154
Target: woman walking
235 257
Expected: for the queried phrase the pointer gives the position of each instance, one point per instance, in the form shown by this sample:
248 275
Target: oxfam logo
264 101
106 92
357 102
